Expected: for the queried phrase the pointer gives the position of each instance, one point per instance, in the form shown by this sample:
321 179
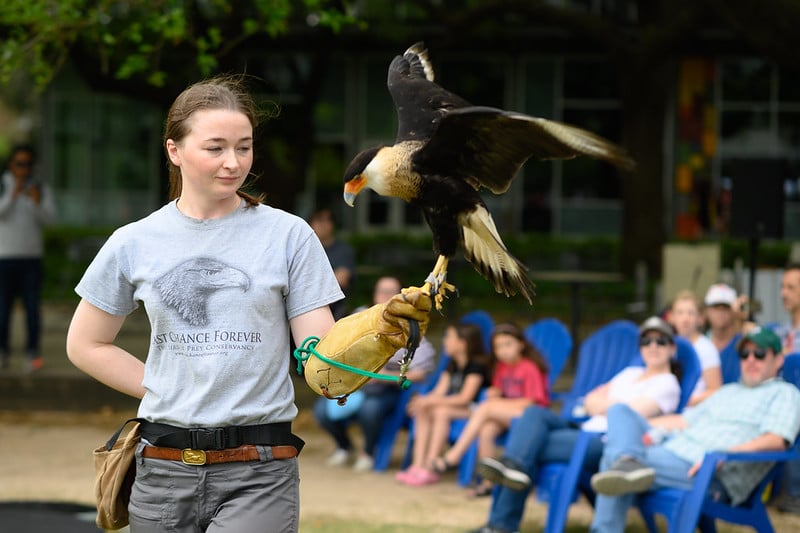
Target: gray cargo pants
251 497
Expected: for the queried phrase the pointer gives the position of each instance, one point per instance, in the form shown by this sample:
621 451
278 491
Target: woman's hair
676 368
687 295
221 92
471 334
529 351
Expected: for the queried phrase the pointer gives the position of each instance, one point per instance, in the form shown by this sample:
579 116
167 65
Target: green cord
310 343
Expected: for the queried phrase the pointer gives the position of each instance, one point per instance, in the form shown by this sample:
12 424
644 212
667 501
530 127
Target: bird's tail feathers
487 253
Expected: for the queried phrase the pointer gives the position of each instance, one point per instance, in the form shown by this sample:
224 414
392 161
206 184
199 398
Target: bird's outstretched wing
420 102
490 145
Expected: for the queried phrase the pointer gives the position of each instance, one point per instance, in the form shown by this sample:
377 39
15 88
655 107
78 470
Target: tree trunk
645 90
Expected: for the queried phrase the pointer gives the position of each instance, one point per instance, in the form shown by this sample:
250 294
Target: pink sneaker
403 475
421 477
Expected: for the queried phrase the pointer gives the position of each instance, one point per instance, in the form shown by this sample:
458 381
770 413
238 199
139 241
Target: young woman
685 315
541 436
519 379
224 280
452 397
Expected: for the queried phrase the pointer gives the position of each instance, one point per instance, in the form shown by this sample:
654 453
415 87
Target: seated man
759 413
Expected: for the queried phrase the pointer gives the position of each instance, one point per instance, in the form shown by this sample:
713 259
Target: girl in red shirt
519 379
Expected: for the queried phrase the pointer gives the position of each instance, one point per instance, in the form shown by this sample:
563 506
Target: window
107 161
760 120
590 190
330 113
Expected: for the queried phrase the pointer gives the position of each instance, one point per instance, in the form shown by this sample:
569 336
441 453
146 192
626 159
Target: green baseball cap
763 337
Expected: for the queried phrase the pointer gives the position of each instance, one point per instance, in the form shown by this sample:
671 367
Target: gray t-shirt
219 295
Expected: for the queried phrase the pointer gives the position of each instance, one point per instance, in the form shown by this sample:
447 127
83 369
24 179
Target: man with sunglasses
761 412
25 207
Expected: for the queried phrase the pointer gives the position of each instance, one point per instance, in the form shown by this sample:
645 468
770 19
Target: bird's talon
439 299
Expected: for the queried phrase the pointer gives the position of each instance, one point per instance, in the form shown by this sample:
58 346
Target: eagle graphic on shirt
187 287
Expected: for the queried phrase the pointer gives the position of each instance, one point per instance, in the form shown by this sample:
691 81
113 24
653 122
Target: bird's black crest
360 162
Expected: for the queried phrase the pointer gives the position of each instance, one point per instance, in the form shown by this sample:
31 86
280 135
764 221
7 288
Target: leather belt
190 456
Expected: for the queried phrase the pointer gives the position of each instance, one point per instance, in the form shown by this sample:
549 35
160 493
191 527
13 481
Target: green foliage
771 254
131 39
68 251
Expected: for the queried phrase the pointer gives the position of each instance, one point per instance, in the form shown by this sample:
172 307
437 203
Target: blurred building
103 150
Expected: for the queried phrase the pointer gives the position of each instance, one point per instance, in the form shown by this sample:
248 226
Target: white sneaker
338 458
364 463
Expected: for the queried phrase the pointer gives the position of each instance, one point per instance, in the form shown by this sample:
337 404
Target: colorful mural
696 144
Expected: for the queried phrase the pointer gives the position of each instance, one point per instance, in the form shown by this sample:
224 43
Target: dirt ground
46 456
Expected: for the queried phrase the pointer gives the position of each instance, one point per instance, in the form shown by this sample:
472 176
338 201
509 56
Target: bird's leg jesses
436 282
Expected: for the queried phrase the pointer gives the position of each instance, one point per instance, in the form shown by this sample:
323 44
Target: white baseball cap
719 293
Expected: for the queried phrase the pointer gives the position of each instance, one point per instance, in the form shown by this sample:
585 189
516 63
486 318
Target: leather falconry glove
367 340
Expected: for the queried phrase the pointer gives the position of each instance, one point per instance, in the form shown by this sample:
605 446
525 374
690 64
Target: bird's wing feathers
490 145
582 142
420 102
487 253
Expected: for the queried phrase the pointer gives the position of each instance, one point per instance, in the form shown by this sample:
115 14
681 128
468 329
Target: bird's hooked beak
352 188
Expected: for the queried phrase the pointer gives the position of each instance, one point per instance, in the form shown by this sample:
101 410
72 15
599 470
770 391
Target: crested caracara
445 151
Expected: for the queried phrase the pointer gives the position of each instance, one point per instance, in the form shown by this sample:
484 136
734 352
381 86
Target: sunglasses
660 341
758 353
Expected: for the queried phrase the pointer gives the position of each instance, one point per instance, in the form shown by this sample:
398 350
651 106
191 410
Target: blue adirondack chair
559 483
552 338
729 361
604 353
484 321
397 420
691 369
686 510
791 373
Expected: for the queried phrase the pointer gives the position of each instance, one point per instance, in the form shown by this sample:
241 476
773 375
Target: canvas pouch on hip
115 470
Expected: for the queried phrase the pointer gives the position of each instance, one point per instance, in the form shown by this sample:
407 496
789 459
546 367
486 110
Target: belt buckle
193 457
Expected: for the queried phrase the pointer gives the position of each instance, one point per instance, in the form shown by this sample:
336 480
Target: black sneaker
626 475
504 472
490 529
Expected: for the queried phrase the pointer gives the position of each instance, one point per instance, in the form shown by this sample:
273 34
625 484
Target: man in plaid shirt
759 413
